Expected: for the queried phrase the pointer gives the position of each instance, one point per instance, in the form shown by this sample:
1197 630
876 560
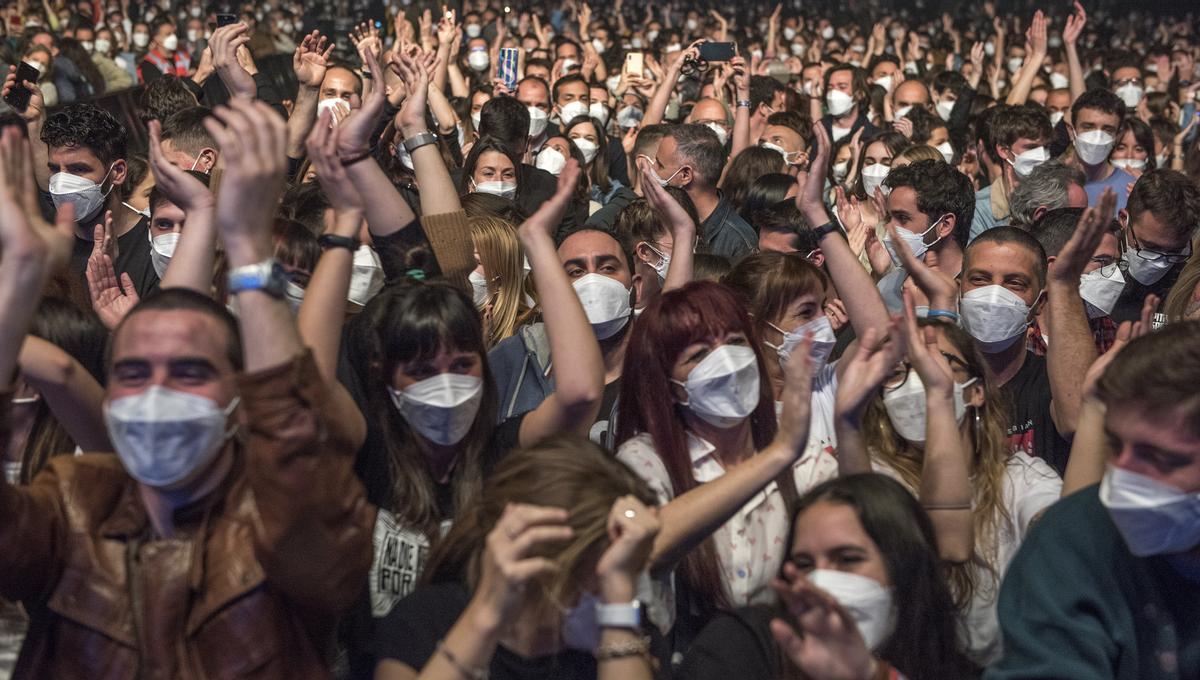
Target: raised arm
309 63
73 395
1072 350
1071 33
312 536
945 490
1033 60
683 231
579 370
662 96
691 517
32 251
741 114
865 371
226 43
35 117
387 212
191 264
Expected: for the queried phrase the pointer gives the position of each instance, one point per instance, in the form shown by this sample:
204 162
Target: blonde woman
497 283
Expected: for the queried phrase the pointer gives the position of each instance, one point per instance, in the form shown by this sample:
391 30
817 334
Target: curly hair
940 189
89 127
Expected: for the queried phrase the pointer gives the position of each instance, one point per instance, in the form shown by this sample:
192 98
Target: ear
642 251
946 228
974 395
208 160
119 169
1038 212
1123 219
1070 129
1036 308
818 258
637 282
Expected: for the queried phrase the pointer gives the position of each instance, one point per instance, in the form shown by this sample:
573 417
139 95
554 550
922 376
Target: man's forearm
1069 353
300 123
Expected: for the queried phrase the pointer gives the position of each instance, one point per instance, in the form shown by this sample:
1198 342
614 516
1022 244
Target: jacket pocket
244 638
93 634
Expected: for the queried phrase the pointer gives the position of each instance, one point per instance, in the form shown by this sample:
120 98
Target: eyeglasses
900 373
1156 255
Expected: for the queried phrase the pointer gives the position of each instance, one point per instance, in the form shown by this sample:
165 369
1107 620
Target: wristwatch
419 140
628 615
743 103
826 229
267 276
327 241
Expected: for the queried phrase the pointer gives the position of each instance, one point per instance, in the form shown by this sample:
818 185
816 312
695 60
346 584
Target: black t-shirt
734 645
1129 305
1031 427
133 258
411 632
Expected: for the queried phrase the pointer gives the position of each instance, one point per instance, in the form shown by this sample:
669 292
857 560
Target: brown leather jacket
250 586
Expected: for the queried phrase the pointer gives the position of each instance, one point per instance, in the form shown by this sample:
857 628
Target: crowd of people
644 340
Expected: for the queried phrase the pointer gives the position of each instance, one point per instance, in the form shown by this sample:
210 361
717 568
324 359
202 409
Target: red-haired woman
700 416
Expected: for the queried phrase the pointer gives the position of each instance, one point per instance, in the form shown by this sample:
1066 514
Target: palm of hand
312 69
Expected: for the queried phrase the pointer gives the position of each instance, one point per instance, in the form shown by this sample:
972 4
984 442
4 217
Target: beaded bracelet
621 650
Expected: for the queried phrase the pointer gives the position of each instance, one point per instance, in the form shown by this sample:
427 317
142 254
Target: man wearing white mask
787 135
86 149
231 502
164 56
846 103
1095 118
1159 223
1105 585
1021 135
186 143
534 93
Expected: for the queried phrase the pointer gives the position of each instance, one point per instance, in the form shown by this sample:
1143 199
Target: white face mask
788 33
586 147
947 151
664 262
1153 518
719 130
723 389
629 117
827 32
193 35
1100 292
366 277
599 111
1014 64
478 59
652 174
194 11
441 408
1026 161
572 110
906 407
885 82
83 193
479 288
103 46
1131 94
497 188
1094 146
1058 81
867 601
823 341
994 316
788 157
473 30
1162 162
916 242
537 121
88 45
838 102
163 436
170 42
551 160
605 301
904 110
1146 272
475 119
162 247
141 39
1129 163
840 170
330 104
873 176
944 108
1056 118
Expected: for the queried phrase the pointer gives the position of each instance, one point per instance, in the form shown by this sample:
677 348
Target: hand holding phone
226 19
716 51
506 68
19 96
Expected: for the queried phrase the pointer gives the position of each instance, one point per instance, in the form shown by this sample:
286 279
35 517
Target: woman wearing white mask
700 418
498 282
538 579
491 168
863 550
934 422
1134 150
587 134
873 165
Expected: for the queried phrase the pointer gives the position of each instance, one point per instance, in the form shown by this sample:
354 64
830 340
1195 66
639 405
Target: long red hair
697 312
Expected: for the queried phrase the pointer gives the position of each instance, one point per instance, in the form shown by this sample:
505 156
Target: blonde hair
560 472
503 262
1180 297
914 153
989 460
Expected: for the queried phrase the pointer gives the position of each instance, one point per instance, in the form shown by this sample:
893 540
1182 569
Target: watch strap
828 228
624 615
419 140
266 276
327 241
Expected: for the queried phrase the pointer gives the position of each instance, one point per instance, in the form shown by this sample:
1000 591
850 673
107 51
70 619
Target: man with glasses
1159 223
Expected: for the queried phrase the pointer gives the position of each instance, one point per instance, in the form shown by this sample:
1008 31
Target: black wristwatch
826 229
327 241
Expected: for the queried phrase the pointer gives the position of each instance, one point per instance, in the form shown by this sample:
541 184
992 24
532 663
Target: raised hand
923 353
1089 230
446 28
796 397
866 370
366 39
809 200
1074 27
827 644
111 299
354 139
416 76
509 565
24 235
311 59
549 215
1037 36
632 527
36 110
940 287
